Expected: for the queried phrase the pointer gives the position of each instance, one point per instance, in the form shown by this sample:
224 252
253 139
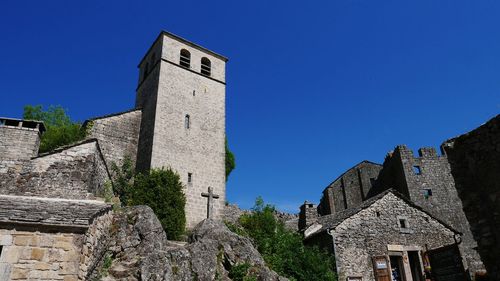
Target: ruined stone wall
95 244
475 165
77 172
430 172
39 256
350 189
369 232
18 143
118 135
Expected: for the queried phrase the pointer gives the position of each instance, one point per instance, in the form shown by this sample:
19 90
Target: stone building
178 121
383 236
458 186
474 159
349 189
54 223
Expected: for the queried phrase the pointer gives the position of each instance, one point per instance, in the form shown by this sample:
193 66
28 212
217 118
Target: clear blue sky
312 87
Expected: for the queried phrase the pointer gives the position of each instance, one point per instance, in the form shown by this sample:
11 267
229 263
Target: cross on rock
211 196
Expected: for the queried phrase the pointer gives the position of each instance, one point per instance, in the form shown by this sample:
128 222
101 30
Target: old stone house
387 237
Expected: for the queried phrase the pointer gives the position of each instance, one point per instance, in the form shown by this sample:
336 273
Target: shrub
60 130
159 189
283 249
162 191
230 161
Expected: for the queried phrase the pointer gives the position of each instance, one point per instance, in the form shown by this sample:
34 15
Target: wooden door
381 268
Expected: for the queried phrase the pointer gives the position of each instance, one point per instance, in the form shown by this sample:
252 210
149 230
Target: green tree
282 249
60 129
230 161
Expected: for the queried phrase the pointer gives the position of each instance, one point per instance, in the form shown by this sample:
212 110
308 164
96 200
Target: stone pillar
308 215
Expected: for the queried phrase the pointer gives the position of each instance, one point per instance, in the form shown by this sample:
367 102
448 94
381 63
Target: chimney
19 139
308 215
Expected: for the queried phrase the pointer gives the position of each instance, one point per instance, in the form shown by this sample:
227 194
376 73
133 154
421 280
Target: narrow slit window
417 170
185 58
187 121
190 177
206 66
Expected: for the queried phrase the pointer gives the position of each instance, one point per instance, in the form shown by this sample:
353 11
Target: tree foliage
230 161
282 249
60 129
159 189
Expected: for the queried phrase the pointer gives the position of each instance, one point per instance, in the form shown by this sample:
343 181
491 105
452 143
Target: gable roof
331 221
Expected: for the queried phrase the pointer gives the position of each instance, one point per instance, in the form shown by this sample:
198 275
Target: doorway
416 269
397 268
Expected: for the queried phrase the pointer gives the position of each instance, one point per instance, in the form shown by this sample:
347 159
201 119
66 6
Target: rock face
140 251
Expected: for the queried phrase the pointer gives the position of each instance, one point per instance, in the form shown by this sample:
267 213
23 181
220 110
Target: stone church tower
182 95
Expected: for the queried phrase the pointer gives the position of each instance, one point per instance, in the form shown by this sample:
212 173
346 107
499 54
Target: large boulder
140 251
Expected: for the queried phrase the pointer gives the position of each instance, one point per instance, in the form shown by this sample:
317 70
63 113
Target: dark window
427 192
417 170
403 223
146 70
190 177
185 58
205 66
194 93
378 214
187 122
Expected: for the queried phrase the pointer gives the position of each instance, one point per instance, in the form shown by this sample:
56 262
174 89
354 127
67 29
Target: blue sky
313 87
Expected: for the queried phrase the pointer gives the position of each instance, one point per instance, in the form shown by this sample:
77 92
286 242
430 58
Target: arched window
185 58
205 66
187 122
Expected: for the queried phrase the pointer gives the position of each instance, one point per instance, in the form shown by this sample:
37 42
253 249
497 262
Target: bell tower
182 93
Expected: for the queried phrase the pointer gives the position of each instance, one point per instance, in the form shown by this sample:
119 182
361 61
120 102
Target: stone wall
38 255
95 244
118 135
368 233
427 181
475 164
75 172
350 189
18 143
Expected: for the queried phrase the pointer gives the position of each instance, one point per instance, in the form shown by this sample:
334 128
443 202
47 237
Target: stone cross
211 196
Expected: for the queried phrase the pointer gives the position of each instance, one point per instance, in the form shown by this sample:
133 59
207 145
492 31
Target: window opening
185 58
205 66
417 170
187 122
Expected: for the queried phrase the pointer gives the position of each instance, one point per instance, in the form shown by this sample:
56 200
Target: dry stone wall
76 172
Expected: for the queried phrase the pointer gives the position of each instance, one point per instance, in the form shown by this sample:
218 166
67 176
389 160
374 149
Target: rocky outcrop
140 251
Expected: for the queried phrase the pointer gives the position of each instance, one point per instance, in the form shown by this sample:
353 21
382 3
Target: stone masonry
118 135
475 165
427 181
171 96
373 230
